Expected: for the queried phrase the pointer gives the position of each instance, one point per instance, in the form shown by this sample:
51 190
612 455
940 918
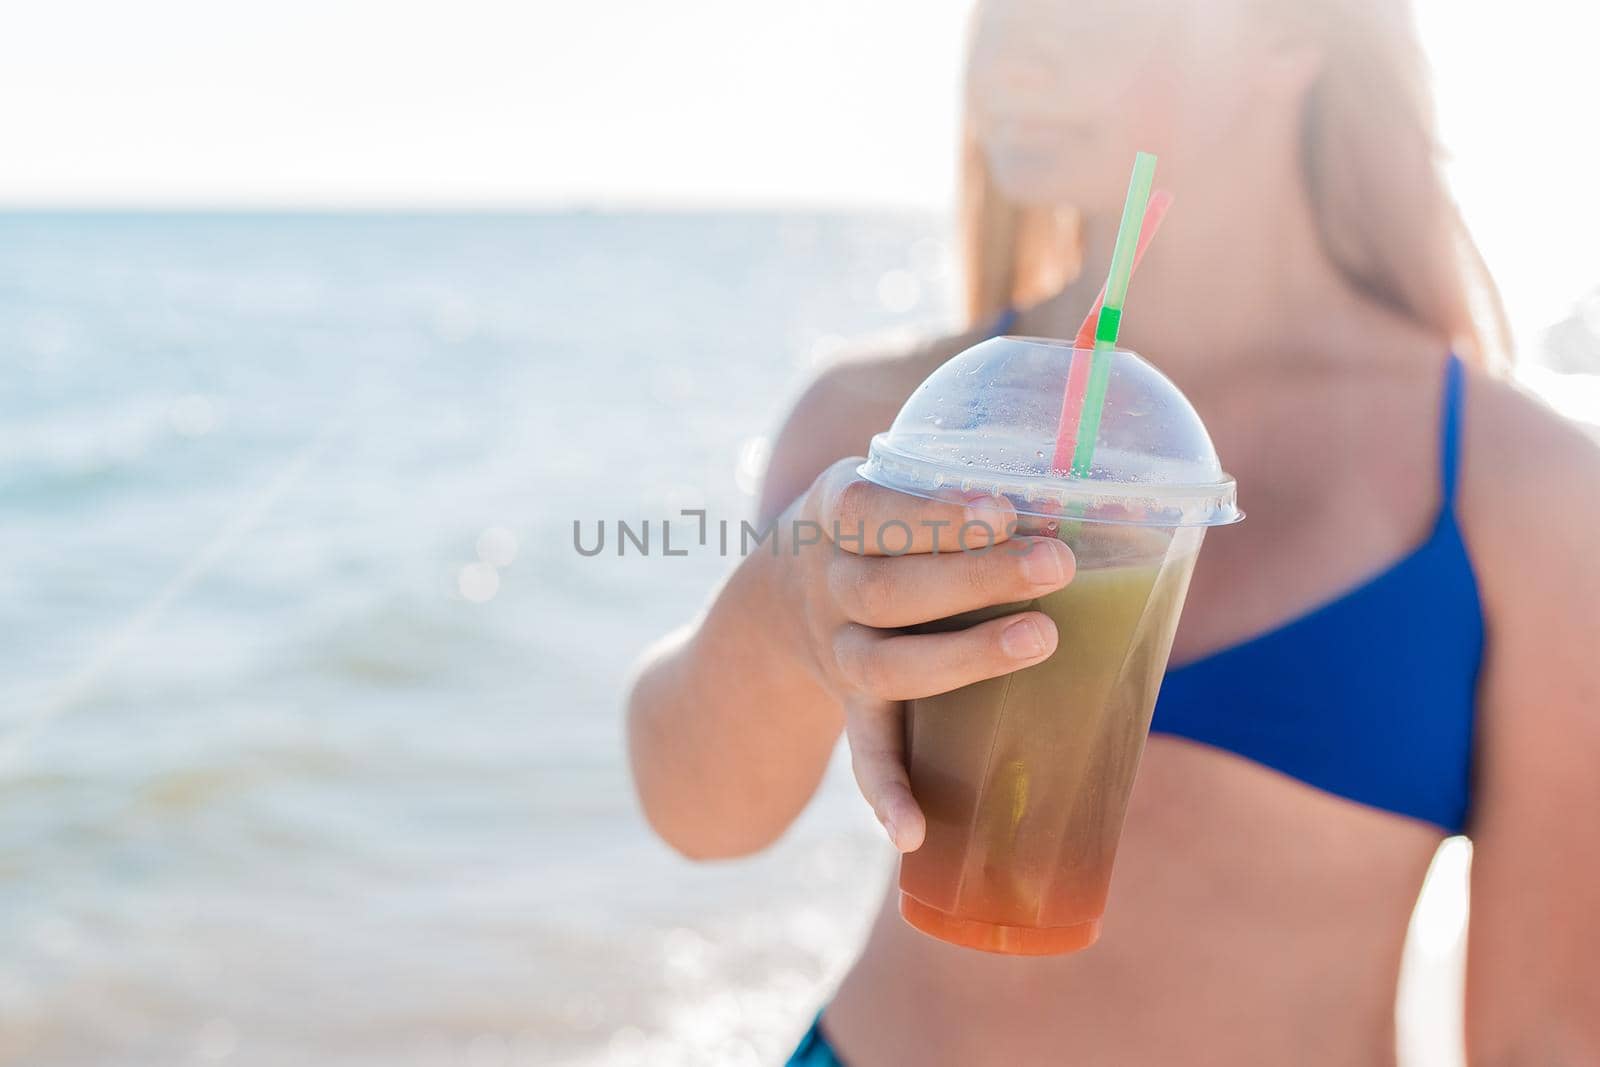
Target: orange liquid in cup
1025 779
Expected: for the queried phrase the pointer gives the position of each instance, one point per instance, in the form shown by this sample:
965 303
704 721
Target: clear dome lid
986 421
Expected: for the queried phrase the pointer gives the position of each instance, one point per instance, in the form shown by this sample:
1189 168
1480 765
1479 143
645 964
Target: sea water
310 713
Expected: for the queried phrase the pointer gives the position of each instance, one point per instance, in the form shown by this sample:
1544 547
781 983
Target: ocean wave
90 449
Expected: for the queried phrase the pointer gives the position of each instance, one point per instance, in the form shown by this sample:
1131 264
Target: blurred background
320 323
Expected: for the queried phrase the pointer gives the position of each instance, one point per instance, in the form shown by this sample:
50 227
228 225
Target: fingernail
993 510
888 827
1022 640
1041 564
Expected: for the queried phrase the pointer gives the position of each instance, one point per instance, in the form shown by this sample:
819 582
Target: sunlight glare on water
310 740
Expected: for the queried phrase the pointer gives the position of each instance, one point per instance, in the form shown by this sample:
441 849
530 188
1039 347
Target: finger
893 666
869 520
890 592
877 756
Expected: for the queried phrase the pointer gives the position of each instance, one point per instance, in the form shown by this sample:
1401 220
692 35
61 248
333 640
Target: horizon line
462 206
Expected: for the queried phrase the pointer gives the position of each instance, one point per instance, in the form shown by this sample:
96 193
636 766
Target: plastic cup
1025 779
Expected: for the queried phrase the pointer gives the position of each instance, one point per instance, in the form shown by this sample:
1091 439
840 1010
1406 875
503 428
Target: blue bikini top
1370 696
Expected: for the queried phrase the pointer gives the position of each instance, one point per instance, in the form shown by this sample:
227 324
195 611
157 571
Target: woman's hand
864 563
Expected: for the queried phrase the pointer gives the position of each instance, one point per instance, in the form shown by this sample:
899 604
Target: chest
1332 500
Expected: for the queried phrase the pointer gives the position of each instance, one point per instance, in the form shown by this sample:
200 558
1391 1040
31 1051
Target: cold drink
1024 779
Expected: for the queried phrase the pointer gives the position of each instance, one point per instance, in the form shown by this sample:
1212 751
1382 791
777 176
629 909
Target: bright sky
343 101
716 102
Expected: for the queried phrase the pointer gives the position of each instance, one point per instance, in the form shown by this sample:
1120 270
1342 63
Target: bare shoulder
1529 505
1530 483
1503 412
844 405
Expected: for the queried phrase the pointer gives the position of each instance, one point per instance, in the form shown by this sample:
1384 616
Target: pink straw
1078 371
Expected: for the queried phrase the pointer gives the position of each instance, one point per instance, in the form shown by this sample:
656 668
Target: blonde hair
1370 156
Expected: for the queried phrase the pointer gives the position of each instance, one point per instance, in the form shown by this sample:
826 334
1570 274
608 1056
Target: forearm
729 729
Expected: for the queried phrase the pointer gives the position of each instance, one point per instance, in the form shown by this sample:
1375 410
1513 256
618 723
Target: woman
1399 643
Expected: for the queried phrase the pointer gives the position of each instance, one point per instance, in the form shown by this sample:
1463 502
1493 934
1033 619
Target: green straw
1110 321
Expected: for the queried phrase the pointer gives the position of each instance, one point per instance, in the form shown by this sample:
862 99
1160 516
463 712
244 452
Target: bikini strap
1450 430
1003 324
